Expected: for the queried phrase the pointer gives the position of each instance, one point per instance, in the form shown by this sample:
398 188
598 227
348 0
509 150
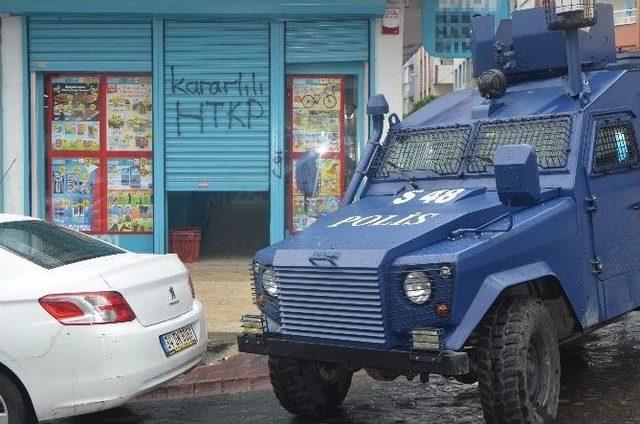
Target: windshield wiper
403 174
479 158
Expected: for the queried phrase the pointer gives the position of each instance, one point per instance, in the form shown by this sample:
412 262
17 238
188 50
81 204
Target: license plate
178 340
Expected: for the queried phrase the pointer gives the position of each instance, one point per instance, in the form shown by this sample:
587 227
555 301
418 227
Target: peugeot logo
172 292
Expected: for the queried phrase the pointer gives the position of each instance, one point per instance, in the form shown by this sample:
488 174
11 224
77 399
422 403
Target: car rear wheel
308 388
519 363
13 406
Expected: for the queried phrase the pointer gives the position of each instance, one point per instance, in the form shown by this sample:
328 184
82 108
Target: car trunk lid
156 287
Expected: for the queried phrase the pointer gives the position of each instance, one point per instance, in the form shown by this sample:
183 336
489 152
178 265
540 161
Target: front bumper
448 363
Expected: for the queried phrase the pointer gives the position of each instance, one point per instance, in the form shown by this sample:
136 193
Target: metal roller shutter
327 41
217 106
89 45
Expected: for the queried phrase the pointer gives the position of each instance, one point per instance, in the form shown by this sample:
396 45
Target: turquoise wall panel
87 44
217 106
327 41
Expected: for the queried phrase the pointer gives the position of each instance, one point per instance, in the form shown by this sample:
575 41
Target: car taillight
88 308
192 287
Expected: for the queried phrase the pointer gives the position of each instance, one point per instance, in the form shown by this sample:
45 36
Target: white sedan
86 326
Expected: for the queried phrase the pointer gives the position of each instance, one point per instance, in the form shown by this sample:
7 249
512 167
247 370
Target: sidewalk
240 373
223 287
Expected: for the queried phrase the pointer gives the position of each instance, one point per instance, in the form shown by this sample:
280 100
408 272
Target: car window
615 147
51 246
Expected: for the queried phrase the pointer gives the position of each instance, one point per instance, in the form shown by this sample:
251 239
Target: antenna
569 16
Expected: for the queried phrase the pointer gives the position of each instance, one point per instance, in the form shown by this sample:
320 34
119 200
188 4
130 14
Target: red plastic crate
185 242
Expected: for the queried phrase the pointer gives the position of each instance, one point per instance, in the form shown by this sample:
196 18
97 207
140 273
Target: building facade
127 120
425 76
625 19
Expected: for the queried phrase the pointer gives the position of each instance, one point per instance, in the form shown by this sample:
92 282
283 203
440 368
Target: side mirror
517 178
307 173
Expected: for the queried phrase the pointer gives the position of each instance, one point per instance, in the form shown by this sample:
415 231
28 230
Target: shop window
322 146
615 147
99 153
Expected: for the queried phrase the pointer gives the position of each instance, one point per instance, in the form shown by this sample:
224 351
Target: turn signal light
442 309
261 300
88 308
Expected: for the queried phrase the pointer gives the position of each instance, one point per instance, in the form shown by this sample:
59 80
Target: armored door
614 185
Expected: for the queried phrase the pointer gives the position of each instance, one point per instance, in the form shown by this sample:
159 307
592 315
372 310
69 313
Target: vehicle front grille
341 304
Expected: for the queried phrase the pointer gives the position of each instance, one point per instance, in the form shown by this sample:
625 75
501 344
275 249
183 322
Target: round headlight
417 287
269 283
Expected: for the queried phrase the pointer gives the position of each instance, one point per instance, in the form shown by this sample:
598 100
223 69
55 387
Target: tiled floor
223 286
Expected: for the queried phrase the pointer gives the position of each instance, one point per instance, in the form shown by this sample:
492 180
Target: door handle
636 206
277 162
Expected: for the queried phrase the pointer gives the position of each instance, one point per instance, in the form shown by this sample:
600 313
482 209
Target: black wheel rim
538 370
4 412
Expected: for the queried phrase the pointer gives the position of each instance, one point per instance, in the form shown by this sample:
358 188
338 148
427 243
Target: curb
207 388
240 373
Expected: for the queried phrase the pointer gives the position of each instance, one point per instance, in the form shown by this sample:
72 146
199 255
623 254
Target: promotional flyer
130 195
75 114
72 192
316 113
129 114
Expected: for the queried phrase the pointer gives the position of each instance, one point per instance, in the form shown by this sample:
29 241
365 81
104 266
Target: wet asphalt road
600 385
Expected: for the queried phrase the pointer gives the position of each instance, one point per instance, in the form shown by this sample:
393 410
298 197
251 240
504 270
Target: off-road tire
16 404
515 334
308 388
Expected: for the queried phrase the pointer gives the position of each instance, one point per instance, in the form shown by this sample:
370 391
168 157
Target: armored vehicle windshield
470 149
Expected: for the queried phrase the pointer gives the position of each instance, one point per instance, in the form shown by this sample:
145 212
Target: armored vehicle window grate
436 150
615 147
549 138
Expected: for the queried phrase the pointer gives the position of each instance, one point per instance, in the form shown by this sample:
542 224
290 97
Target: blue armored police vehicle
486 229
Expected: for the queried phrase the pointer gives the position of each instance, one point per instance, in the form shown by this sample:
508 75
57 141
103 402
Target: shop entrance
234 225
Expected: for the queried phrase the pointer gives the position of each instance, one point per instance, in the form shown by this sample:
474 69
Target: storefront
132 120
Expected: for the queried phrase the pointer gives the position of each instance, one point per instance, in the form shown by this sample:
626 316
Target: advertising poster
129 114
316 114
73 185
130 195
75 122
316 125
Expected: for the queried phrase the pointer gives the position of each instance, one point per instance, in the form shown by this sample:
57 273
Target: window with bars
438 151
548 136
448 150
615 147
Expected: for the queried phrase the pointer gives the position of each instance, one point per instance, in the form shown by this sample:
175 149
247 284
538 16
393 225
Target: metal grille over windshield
437 150
548 136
